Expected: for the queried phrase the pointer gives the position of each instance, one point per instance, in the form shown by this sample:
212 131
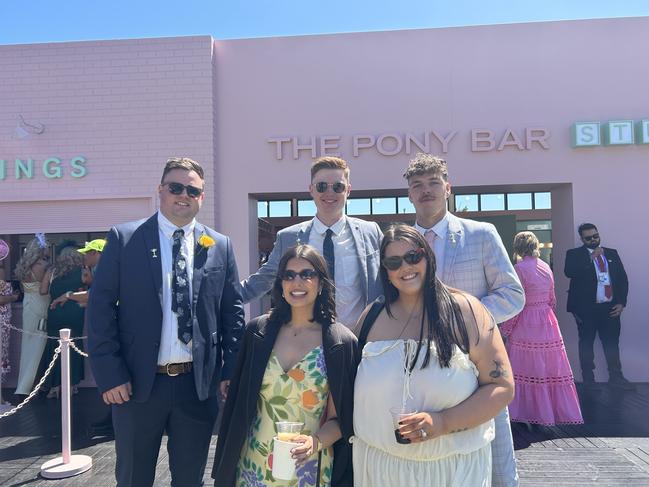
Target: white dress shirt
172 350
603 278
349 297
441 230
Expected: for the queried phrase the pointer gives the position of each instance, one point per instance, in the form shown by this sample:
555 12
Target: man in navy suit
165 318
597 297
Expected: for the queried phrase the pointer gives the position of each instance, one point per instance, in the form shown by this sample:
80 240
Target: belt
173 370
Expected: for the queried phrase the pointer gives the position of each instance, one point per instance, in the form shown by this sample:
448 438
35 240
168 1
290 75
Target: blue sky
70 20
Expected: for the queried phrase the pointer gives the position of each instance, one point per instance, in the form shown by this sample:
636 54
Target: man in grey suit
349 245
470 256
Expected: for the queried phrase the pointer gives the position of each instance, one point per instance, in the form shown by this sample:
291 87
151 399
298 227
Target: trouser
504 472
596 321
174 408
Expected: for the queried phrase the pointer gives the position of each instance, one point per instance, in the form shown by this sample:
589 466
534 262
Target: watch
68 294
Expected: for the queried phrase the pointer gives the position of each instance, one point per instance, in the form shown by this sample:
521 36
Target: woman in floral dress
7 296
295 364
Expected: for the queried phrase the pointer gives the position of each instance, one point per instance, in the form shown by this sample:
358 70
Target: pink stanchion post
67 465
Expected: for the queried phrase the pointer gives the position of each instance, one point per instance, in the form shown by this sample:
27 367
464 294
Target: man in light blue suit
471 257
350 245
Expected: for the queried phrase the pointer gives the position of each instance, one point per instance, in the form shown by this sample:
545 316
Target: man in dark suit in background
597 297
165 318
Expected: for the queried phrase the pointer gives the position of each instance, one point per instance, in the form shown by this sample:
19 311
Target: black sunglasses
305 275
322 186
177 188
592 237
411 257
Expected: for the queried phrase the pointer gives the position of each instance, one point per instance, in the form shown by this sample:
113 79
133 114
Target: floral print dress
297 395
5 320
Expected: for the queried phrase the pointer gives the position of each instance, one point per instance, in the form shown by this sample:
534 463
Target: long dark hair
324 307
445 325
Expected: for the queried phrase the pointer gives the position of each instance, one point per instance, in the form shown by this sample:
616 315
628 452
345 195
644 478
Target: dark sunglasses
305 275
177 188
411 257
322 186
592 237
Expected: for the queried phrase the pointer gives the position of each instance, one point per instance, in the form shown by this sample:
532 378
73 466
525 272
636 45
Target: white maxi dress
455 460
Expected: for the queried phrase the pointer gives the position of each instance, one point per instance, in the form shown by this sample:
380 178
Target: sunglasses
177 189
322 186
592 237
305 275
411 257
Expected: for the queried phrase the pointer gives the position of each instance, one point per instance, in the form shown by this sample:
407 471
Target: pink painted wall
126 106
510 76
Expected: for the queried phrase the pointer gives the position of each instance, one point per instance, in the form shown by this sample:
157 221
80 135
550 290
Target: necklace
296 330
410 317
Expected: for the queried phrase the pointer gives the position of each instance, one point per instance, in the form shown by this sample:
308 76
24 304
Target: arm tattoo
498 371
459 430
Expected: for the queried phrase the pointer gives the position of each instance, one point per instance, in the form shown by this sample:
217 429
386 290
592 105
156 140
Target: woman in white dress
436 353
30 270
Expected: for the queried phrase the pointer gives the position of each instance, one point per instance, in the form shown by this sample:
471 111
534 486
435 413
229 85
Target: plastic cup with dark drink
397 415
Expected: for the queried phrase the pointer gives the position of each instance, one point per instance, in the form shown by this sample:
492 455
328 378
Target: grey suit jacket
476 261
367 237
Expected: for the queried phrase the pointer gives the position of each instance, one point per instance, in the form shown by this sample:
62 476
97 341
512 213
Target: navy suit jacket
125 310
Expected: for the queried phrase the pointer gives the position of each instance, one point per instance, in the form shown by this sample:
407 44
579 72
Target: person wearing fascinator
7 296
30 271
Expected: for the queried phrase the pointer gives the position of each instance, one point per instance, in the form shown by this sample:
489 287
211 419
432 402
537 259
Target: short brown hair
426 164
526 244
329 162
184 163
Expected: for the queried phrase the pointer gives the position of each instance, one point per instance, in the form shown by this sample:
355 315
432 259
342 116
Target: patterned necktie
328 253
430 237
601 267
180 290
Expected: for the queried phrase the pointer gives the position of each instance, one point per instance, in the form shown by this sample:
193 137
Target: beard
592 245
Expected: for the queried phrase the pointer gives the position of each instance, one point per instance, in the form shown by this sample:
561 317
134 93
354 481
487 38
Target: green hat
97 245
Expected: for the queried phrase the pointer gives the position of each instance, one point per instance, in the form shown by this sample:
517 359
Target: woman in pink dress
545 387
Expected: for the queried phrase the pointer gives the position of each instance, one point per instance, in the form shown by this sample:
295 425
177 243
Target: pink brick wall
126 106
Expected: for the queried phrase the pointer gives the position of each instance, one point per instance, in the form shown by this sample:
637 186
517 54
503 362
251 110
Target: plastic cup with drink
283 461
398 414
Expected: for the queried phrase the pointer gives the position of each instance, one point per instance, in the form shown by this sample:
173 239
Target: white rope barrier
31 395
40 383
38 333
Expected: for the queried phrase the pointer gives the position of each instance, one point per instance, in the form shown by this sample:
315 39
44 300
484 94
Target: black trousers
596 321
174 408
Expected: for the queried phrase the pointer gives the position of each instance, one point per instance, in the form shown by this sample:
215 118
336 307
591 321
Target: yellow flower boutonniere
205 241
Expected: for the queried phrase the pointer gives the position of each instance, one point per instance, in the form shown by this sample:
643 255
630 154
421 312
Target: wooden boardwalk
611 449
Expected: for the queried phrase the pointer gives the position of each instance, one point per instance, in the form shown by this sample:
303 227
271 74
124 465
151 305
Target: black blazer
125 310
580 269
341 356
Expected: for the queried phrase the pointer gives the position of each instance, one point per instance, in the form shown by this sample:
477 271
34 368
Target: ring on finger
423 433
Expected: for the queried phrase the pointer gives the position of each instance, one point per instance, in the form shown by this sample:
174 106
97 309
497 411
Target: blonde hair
67 260
526 244
32 253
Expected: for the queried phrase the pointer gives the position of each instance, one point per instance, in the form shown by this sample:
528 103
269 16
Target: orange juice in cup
287 430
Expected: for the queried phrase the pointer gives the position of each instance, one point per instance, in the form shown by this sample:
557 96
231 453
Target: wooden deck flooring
611 449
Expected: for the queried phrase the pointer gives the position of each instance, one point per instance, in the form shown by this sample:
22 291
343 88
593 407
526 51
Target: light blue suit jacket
367 238
475 261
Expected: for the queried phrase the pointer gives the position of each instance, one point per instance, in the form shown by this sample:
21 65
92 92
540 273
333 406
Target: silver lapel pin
153 253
